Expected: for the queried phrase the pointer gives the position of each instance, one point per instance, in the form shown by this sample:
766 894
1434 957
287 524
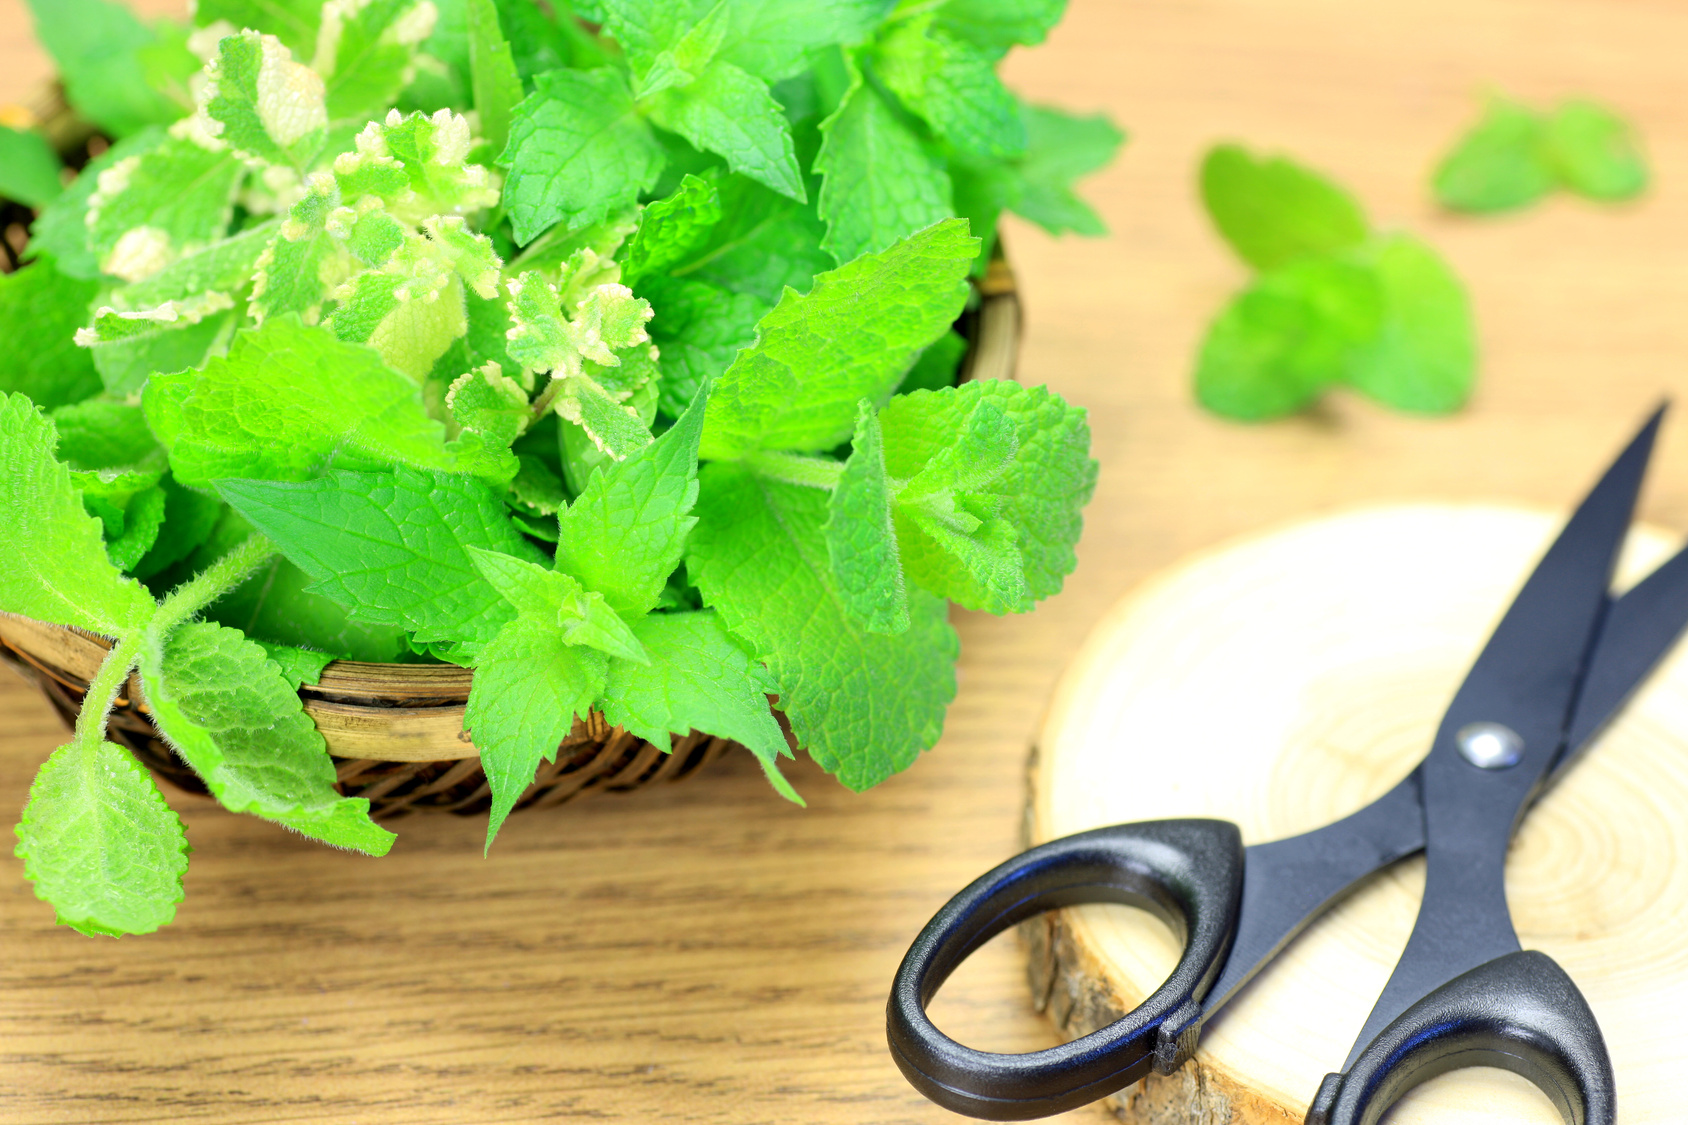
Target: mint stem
102 692
798 468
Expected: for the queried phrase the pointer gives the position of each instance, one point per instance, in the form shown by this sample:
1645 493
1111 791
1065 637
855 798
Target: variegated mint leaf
112 325
150 209
492 410
418 165
261 103
366 52
304 260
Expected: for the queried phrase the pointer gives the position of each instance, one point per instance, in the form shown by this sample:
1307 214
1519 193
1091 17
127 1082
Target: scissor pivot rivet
1489 746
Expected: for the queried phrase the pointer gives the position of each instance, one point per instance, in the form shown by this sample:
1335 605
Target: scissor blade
1528 675
1640 628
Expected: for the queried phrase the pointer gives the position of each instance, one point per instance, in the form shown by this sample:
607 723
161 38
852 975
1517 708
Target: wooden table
709 953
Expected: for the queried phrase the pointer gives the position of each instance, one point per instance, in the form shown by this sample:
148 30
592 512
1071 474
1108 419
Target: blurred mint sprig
1334 301
1515 155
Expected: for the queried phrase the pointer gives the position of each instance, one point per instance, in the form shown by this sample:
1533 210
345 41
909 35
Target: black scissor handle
1188 872
1520 1012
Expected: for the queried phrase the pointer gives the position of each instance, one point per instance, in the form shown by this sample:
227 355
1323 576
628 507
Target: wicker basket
396 730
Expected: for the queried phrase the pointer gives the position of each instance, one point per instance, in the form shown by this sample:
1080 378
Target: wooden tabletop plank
707 953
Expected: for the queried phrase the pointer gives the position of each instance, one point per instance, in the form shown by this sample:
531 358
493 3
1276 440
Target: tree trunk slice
1285 681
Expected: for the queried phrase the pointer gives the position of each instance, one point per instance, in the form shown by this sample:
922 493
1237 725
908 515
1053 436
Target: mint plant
1515 155
1333 302
606 352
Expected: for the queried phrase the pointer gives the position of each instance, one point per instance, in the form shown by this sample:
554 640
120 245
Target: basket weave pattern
395 731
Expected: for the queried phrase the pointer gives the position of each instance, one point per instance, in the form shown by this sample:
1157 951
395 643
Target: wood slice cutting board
1287 680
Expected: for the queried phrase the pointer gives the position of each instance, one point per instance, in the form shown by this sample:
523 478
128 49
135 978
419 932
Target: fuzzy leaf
698 679
861 541
392 547
290 402
232 715
733 114
40 311
418 165
298 665
100 844
850 337
671 230
1274 210
863 704
578 151
142 519
56 567
261 103
148 210
60 232
302 259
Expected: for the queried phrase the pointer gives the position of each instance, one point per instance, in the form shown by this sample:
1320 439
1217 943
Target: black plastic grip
1188 872
1520 1012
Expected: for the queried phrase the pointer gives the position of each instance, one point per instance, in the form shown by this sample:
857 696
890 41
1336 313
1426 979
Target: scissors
1464 993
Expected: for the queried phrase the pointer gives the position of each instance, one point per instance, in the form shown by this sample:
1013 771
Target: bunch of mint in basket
608 353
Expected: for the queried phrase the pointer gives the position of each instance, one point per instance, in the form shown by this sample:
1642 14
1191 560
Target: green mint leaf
277 605
1595 152
100 844
40 311
1060 148
541 43
394 548
261 103
878 182
623 536
686 57
189 518
578 151
850 337
142 519
671 230
997 25
952 440
290 402
294 22
492 410
538 487
863 704
1424 358
1499 165
232 715
938 366
103 433
645 29
60 232
150 209
698 679
952 84
298 665
56 567
366 53
29 168
1273 210
529 685
771 38
731 113
95 45
497 85
583 617
1293 332
698 328
861 542
763 244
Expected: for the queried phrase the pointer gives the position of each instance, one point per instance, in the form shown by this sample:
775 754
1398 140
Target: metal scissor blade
1528 675
1640 628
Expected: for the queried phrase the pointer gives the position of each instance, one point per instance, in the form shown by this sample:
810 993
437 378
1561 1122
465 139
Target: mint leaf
529 685
56 567
298 665
29 168
863 704
189 518
61 230
850 337
1498 165
671 230
231 715
997 25
952 84
763 243
583 616
290 402
698 328
770 38
418 165
1273 210
294 22
578 150
277 605
938 366
128 346
953 439
698 679
497 85
492 411
96 47
1060 148
878 183
103 433
40 311
290 275
1293 332
150 209
731 113
142 519
365 53
623 535
100 844
1424 358
1595 152
261 103
391 547
861 542
224 267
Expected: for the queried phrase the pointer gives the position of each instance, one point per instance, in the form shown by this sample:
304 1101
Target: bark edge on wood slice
1286 680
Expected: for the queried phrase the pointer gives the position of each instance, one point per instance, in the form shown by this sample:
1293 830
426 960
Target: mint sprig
1515 155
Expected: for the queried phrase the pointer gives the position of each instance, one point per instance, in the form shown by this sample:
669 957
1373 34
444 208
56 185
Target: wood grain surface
1307 670
707 953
